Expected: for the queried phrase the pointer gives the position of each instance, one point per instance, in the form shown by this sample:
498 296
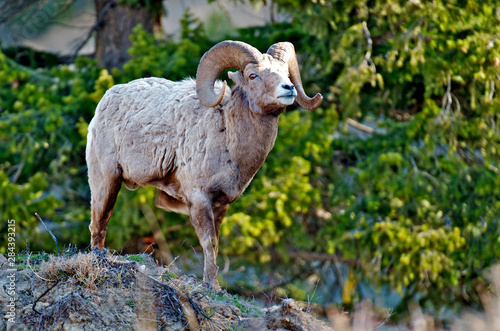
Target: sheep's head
272 79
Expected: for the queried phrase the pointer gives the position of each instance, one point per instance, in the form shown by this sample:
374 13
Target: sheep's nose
288 87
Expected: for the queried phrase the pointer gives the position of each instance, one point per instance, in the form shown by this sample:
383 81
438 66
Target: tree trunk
114 25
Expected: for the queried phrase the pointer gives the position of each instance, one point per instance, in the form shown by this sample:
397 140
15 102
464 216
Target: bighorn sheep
199 144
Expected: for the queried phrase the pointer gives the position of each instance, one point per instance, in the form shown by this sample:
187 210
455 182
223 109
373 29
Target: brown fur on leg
104 195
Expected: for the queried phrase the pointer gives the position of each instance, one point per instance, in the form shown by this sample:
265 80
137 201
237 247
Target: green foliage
246 306
137 258
416 206
275 209
41 147
30 58
165 58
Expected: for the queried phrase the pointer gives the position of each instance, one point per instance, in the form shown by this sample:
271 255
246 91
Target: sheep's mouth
288 95
287 98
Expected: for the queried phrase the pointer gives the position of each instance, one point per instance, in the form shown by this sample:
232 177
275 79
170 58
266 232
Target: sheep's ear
236 77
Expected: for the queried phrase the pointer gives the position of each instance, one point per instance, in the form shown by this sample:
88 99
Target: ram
199 142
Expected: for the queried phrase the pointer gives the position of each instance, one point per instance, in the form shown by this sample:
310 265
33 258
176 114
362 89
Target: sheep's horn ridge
285 52
225 55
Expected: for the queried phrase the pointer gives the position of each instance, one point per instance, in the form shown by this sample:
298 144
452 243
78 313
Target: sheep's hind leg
104 190
202 218
219 213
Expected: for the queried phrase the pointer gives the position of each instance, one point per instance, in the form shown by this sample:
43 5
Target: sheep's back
152 126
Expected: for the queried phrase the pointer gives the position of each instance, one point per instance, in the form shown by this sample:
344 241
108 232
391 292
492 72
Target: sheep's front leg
202 218
219 213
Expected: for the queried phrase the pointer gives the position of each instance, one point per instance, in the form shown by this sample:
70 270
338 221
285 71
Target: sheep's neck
250 137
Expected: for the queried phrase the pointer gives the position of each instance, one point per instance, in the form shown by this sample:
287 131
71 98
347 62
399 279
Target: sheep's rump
144 129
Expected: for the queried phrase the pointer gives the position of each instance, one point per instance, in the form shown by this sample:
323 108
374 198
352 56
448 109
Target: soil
101 291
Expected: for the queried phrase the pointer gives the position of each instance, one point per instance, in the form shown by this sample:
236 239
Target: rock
3 260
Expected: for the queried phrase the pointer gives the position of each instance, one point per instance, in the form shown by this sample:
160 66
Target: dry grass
80 268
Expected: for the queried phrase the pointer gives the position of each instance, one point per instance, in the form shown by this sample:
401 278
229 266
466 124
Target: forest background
389 191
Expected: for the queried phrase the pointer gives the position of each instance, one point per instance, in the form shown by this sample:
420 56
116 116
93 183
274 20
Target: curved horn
225 55
285 52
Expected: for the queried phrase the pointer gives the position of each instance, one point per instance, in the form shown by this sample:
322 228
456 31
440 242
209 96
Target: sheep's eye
252 76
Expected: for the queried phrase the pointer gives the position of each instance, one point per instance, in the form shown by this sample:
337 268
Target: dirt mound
100 291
